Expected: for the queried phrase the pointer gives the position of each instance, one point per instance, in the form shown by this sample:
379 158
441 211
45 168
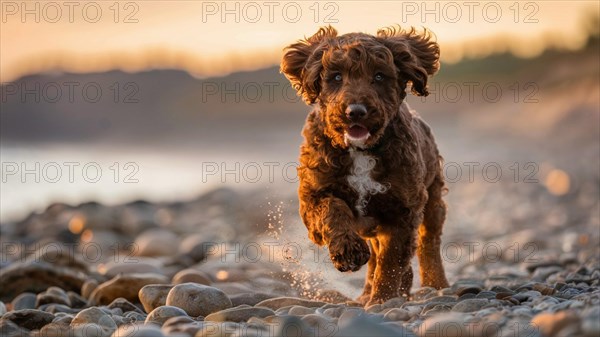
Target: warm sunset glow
558 182
210 38
87 235
222 275
76 224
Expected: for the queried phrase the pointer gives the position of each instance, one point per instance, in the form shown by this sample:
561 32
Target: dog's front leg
331 222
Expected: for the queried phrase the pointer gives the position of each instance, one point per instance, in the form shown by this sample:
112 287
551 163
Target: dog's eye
379 77
337 77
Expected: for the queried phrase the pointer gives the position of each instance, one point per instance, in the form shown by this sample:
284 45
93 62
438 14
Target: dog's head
360 80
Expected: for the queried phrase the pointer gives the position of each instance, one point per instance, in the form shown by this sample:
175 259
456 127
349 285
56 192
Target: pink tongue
358 131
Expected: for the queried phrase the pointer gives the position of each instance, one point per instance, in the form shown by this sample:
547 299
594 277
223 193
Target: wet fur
383 216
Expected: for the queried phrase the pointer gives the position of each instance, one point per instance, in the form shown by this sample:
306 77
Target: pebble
541 274
522 311
177 320
239 314
486 294
63 318
319 324
88 287
526 295
59 330
220 329
153 296
126 286
197 299
365 325
279 302
468 290
249 298
95 316
470 305
333 312
349 315
288 326
374 308
30 319
466 296
422 293
501 289
77 301
156 242
395 302
568 293
550 324
194 246
52 295
138 330
466 283
57 308
191 275
591 321
298 310
438 308
486 312
141 266
414 309
567 258
182 329
161 314
544 289
37 276
577 278
24 301
135 316
9 328
124 305
441 299
451 324
397 314
233 287
331 296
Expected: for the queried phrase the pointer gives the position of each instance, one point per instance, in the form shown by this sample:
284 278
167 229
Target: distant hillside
160 105
169 106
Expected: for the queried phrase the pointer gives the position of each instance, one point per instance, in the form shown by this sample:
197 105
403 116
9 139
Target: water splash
306 267
275 219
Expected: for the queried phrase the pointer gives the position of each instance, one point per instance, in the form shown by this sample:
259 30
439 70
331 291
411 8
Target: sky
215 37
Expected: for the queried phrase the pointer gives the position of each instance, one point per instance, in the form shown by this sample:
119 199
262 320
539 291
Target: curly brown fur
370 172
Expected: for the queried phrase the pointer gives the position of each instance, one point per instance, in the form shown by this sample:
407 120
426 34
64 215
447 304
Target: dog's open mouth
357 131
356 134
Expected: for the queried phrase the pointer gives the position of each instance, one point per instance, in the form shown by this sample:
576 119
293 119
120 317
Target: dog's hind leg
429 243
407 281
396 249
371 266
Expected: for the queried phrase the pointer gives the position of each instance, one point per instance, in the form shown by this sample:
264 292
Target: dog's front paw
349 252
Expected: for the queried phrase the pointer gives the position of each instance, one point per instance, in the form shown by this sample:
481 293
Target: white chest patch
361 181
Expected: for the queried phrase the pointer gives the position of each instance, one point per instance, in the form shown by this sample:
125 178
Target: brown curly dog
369 167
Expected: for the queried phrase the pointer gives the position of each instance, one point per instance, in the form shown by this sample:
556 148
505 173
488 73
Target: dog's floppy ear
302 65
416 56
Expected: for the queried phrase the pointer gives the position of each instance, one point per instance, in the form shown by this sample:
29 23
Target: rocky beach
222 265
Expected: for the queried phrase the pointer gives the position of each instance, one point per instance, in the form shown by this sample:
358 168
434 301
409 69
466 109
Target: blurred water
34 177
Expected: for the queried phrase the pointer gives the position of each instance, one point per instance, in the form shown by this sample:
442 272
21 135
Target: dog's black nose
356 111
